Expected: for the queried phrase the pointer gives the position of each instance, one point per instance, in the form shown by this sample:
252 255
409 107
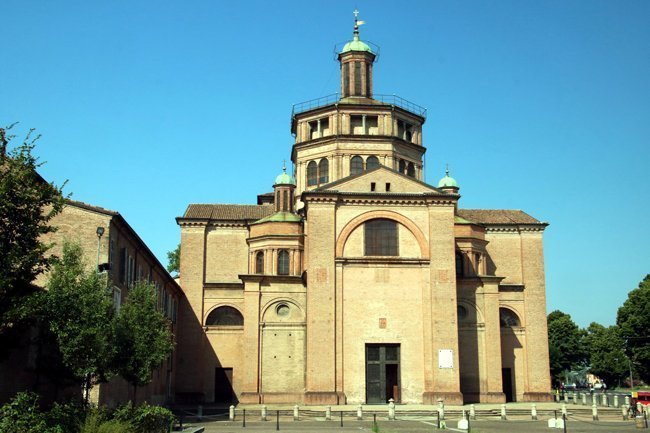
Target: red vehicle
642 397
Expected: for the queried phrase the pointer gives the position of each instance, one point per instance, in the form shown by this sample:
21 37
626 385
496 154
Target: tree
174 260
27 204
565 342
142 336
78 310
607 358
633 318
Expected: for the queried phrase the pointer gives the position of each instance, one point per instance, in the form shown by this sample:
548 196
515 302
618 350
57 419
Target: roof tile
497 216
228 211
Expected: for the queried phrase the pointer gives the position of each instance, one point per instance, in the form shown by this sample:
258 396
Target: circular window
282 310
462 312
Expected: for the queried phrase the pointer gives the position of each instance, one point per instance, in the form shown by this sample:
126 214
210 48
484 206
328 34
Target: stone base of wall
282 397
484 397
250 398
537 396
432 397
319 398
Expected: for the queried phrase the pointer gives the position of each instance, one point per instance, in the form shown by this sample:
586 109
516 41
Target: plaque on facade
382 323
445 358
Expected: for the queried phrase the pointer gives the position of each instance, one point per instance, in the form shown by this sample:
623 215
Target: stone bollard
263 417
575 397
564 413
472 412
231 413
441 410
624 412
557 396
359 413
296 413
616 400
594 412
627 400
503 412
594 400
328 413
584 398
604 400
391 409
566 397
199 412
533 412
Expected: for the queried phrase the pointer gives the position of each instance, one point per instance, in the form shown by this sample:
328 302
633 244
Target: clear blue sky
543 106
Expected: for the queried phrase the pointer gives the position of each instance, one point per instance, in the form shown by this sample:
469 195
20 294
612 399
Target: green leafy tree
142 336
633 319
27 204
607 358
174 260
78 310
566 346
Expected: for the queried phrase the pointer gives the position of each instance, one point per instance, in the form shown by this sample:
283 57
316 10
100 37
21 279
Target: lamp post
100 233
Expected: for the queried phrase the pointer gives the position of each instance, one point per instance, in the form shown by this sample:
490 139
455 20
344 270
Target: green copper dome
285 179
356 44
447 181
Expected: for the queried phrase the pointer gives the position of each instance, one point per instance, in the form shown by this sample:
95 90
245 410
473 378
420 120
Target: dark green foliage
566 346
174 260
146 418
633 319
607 357
142 336
97 422
78 310
23 415
27 204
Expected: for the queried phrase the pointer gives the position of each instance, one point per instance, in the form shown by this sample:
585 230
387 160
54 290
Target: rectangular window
381 238
123 265
346 79
372 125
372 186
387 186
357 78
357 126
368 80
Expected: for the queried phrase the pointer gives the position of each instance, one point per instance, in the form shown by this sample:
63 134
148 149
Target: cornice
396 260
307 144
514 228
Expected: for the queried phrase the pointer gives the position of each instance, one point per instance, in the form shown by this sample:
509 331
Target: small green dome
356 44
447 181
284 179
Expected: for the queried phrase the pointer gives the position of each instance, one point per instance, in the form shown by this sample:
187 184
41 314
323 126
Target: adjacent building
357 282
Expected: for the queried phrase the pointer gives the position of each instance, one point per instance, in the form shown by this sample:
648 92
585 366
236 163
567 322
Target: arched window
225 316
508 318
372 162
283 262
461 312
381 238
356 165
410 170
312 173
459 264
402 166
408 136
323 171
259 263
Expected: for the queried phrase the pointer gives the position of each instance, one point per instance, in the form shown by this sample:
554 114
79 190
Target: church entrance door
382 373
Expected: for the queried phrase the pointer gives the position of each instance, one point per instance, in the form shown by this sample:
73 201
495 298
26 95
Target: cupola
356 60
283 188
448 183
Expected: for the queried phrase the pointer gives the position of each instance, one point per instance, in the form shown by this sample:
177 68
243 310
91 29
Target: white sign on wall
445 358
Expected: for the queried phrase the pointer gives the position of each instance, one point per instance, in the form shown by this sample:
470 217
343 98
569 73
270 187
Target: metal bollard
296 413
391 409
341 418
277 420
616 400
503 412
328 413
594 412
472 412
263 417
231 413
359 412
533 412
243 422
199 412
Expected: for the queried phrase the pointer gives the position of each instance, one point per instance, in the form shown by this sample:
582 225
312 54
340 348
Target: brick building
357 282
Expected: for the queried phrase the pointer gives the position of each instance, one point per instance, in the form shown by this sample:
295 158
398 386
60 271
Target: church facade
357 282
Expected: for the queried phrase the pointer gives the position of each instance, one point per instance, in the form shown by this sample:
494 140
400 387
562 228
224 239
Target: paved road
417 426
